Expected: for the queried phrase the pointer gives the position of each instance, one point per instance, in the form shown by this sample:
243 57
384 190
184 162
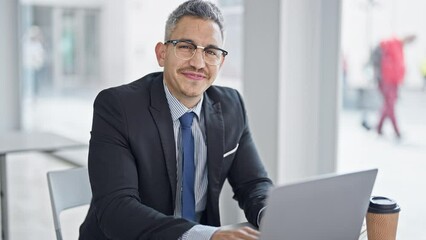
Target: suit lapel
215 141
161 114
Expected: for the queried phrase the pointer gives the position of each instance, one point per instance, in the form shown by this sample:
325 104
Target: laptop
328 207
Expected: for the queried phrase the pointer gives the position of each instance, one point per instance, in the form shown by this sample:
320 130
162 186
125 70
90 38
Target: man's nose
198 60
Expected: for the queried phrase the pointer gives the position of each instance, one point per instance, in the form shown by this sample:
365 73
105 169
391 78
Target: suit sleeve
247 175
114 179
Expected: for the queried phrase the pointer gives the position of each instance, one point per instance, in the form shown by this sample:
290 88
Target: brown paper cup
382 219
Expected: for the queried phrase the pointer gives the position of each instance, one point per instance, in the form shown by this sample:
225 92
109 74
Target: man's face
188 79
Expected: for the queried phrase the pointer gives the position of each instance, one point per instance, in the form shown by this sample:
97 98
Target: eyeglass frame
174 42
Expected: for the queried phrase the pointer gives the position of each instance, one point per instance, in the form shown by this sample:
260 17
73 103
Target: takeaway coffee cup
382 219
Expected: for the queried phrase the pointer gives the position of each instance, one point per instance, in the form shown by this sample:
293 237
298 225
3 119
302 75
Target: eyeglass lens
186 51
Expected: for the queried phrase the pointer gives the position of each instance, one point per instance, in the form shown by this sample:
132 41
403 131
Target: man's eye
185 47
211 52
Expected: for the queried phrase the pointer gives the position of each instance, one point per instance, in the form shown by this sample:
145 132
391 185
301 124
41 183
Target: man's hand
244 233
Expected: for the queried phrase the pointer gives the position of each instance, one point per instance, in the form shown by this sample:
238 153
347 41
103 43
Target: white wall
145 21
130 31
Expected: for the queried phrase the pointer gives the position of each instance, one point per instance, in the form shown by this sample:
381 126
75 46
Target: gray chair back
68 189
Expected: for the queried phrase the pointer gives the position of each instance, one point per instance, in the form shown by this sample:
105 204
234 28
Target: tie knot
186 120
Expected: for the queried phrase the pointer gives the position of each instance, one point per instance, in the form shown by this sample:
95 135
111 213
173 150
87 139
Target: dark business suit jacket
132 162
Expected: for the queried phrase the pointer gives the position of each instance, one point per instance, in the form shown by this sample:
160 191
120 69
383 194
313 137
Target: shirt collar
177 109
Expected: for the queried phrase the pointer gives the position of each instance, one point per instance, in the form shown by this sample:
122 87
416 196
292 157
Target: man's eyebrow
186 40
191 41
211 46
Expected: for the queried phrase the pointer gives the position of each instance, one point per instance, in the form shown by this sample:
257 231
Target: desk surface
18 141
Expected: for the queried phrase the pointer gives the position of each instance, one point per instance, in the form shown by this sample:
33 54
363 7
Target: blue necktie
188 169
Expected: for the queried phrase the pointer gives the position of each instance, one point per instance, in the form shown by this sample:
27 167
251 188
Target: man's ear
160 52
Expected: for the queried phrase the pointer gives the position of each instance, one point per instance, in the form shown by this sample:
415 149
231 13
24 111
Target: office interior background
301 66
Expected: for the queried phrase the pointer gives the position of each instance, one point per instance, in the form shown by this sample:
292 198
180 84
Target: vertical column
261 81
330 67
290 84
10 107
9 66
291 59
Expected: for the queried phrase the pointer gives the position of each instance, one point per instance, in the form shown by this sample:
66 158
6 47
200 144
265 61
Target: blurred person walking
34 58
389 66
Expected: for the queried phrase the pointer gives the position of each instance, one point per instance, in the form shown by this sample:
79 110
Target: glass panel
36 47
61 65
62 49
232 69
68 42
91 49
400 160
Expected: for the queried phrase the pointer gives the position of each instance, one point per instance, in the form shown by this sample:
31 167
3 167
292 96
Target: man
153 174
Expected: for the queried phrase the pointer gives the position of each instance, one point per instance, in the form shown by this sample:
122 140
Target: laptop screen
328 207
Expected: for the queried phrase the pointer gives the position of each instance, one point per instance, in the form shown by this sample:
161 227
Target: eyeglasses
185 50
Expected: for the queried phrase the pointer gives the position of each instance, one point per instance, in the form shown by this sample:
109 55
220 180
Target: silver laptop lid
328 207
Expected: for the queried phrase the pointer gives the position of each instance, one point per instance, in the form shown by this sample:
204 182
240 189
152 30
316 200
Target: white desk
17 141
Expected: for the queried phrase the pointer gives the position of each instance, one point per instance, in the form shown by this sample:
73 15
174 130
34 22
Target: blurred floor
401 163
30 213
401 173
